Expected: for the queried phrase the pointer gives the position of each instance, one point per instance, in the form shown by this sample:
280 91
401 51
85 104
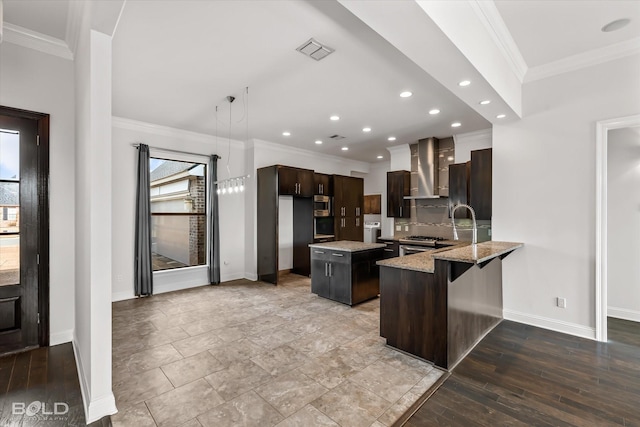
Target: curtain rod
176 151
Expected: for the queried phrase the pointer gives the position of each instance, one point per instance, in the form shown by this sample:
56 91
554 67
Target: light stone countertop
463 252
347 246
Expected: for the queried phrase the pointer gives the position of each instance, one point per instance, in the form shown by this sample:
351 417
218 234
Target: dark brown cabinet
348 203
480 194
392 250
459 187
272 182
398 186
295 182
372 204
346 277
470 183
322 184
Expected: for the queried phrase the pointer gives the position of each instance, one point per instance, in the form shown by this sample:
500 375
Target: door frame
43 215
602 129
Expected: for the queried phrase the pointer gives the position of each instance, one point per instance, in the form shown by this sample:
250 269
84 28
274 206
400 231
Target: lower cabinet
346 277
392 250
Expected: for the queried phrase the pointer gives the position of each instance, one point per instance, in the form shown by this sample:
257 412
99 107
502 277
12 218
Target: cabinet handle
388 250
337 254
326 269
330 270
318 252
400 210
389 243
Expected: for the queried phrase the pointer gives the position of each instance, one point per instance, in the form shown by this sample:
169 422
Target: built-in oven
410 250
322 206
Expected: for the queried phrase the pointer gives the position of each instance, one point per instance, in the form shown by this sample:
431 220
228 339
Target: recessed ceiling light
380 157
464 83
285 133
345 148
615 25
318 142
405 94
456 124
391 138
434 111
485 102
501 116
366 129
334 118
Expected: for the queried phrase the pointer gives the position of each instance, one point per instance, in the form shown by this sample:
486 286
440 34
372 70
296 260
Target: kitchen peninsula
346 271
438 305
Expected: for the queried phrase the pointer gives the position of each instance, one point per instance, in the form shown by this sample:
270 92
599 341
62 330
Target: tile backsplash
430 217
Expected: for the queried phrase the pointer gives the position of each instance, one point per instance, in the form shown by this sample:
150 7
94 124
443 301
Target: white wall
39 82
127 132
623 223
544 192
375 182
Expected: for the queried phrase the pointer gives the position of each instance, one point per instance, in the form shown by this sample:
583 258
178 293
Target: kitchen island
438 305
346 271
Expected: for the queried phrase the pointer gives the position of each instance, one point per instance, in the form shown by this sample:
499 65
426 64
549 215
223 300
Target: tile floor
252 354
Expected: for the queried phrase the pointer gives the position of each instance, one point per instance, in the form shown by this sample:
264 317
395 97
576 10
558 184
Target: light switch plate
406 228
398 228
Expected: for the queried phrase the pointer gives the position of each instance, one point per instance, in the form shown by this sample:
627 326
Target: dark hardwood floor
44 375
527 376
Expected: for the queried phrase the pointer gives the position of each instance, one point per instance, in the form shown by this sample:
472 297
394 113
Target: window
178 213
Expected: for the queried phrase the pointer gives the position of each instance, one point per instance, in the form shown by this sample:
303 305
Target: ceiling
174 62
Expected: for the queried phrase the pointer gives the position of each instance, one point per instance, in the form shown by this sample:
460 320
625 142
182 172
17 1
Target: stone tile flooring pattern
252 354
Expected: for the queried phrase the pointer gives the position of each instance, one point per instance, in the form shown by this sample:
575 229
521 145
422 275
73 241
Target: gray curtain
143 285
214 227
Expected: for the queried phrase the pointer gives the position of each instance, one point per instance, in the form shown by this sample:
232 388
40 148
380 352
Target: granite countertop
461 252
323 236
347 246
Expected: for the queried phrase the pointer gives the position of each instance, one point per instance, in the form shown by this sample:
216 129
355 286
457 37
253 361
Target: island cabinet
344 271
398 186
438 305
392 248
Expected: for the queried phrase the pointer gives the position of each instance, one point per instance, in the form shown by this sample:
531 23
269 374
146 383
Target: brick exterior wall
197 224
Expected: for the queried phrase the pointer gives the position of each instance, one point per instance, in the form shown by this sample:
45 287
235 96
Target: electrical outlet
406 228
398 228
561 302
226 262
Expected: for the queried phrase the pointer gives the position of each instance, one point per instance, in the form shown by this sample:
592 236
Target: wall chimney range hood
424 166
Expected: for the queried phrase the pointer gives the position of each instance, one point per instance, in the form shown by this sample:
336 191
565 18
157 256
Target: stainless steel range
415 244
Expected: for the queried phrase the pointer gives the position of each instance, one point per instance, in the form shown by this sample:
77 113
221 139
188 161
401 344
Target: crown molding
37 41
492 20
151 128
483 135
356 165
583 60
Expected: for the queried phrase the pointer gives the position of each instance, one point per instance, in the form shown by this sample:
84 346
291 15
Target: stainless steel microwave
322 206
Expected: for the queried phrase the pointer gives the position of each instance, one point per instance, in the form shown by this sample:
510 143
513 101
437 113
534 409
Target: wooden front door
24 297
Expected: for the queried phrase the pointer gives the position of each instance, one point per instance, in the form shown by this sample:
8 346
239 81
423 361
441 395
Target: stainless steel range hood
424 179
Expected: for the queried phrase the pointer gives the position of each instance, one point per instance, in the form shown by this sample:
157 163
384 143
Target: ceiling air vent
314 49
336 137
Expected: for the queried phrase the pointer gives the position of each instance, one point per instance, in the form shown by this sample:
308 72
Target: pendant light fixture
235 184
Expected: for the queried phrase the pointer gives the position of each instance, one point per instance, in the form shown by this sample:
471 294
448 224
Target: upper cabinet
323 184
470 183
398 186
372 204
295 182
480 183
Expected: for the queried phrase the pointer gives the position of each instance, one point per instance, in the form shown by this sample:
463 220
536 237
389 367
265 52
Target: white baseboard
232 276
250 276
624 314
551 324
61 337
93 409
121 296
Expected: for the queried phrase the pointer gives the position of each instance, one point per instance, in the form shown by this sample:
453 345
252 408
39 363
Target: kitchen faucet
474 239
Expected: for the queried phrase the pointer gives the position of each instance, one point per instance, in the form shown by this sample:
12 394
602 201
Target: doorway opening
602 145
24 230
